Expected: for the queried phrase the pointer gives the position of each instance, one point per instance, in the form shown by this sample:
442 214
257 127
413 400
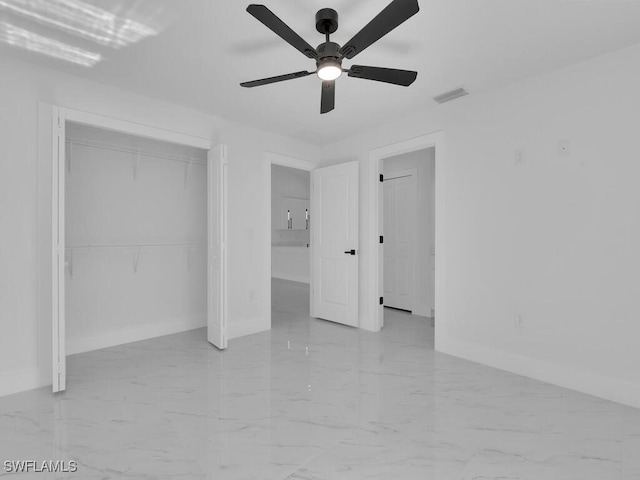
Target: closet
136 238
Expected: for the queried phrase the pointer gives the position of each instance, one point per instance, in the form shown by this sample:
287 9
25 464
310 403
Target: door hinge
381 177
381 239
381 300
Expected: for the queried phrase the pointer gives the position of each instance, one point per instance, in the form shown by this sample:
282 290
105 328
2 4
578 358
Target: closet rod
134 151
150 245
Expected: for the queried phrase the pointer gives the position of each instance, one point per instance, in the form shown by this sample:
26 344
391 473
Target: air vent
452 95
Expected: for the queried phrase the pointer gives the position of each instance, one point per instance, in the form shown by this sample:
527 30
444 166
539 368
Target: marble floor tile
312 400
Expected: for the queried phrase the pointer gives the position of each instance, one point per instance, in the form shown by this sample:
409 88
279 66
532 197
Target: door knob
350 252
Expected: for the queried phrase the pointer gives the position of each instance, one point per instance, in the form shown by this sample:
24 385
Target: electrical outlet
564 148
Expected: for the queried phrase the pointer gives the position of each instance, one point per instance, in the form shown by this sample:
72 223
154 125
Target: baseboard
292 278
20 380
608 388
133 334
243 327
421 311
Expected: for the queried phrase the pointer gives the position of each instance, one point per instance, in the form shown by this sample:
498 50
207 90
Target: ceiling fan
329 55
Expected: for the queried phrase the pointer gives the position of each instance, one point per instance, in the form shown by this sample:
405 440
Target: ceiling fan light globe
329 72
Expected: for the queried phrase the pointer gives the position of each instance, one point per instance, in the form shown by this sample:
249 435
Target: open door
399 227
334 243
217 246
58 323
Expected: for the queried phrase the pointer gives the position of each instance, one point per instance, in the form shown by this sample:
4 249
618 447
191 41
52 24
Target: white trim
134 334
217 302
58 253
375 321
607 387
285 161
132 128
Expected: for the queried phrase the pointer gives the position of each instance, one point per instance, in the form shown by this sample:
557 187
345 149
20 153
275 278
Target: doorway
108 221
333 232
280 281
373 297
408 196
290 239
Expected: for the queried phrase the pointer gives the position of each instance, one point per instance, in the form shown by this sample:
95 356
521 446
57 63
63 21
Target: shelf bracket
69 158
136 261
136 166
187 171
69 262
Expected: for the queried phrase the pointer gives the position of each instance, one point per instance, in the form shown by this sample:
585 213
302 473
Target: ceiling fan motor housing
328 52
327 21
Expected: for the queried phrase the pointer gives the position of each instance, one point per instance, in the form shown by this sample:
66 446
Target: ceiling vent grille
452 95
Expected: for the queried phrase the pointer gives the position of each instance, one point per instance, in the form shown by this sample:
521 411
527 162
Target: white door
334 243
399 223
216 241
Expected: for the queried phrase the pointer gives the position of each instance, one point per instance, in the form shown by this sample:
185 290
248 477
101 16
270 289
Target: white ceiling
206 48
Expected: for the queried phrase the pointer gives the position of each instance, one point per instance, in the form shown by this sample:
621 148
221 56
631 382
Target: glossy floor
312 400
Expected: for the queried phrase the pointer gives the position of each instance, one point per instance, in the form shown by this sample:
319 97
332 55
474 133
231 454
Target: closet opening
408 225
138 236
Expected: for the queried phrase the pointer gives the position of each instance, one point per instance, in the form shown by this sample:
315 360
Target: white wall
25 189
422 282
552 241
121 295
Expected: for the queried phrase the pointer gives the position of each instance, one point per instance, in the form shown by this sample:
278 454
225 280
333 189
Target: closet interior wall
136 233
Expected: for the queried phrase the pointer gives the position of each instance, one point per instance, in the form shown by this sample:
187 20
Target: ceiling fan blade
328 99
396 13
387 75
279 78
271 21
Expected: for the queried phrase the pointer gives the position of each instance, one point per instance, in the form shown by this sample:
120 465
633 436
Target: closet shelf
136 249
134 151
135 246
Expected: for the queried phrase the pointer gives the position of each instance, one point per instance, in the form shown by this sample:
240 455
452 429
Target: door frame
410 172
375 321
272 158
60 116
